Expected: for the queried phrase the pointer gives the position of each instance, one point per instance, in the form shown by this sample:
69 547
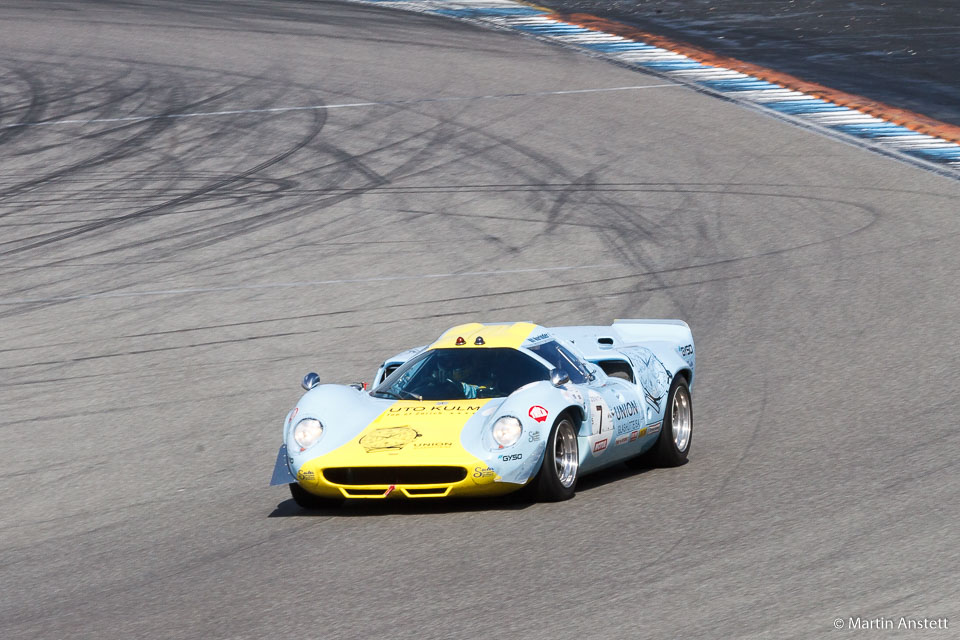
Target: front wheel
557 479
307 500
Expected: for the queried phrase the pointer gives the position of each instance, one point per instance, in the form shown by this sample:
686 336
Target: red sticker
538 413
600 445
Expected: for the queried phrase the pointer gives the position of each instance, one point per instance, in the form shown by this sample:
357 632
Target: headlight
506 431
307 432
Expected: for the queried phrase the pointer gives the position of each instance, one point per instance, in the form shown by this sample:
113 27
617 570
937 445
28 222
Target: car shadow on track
512 502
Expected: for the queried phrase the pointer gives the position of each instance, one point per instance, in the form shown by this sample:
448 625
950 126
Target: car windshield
459 374
562 359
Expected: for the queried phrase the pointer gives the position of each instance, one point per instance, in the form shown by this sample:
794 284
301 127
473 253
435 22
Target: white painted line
839 117
698 74
590 38
915 138
648 56
923 144
288 285
771 95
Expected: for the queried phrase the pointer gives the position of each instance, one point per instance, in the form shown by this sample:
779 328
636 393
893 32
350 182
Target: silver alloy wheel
681 418
566 454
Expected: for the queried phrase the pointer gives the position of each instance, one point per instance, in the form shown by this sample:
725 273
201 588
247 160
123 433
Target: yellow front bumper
477 481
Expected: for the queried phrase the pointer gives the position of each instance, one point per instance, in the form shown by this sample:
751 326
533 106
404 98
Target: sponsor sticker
538 413
625 410
438 409
654 428
388 439
634 435
533 436
601 418
622 439
306 476
599 445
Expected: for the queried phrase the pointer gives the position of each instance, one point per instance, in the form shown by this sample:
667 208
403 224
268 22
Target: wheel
557 478
673 444
307 500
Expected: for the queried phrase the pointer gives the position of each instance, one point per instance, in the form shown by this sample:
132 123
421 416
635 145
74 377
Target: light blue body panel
616 418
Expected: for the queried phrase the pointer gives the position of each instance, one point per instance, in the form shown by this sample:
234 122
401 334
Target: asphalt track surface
166 281
901 52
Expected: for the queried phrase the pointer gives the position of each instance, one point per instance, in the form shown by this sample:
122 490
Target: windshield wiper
396 396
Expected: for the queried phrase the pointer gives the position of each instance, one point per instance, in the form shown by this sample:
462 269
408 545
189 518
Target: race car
488 409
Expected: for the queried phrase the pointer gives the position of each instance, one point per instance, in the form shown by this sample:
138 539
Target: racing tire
557 479
306 500
673 444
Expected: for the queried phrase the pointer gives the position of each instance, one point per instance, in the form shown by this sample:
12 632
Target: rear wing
644 330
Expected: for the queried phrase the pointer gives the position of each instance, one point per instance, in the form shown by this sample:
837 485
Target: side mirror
559 378
310 381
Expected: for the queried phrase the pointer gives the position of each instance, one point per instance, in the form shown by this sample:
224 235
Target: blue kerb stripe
487 11
794 107
940 155
810 101
874 130
674 66
740 84
906 132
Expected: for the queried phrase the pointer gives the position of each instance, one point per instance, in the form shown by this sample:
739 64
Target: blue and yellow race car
489 409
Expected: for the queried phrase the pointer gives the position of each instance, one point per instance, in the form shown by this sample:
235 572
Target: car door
610 405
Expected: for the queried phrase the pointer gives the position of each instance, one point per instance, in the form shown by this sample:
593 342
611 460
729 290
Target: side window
562 359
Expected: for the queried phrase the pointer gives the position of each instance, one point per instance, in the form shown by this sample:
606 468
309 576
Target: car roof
487 335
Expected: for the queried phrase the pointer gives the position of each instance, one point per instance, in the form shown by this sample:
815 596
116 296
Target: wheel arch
579 418
576 413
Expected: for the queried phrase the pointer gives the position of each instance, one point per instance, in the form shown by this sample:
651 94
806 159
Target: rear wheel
307 500
557 479
673 444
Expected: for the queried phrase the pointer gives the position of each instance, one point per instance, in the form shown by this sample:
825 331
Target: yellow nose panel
411 433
